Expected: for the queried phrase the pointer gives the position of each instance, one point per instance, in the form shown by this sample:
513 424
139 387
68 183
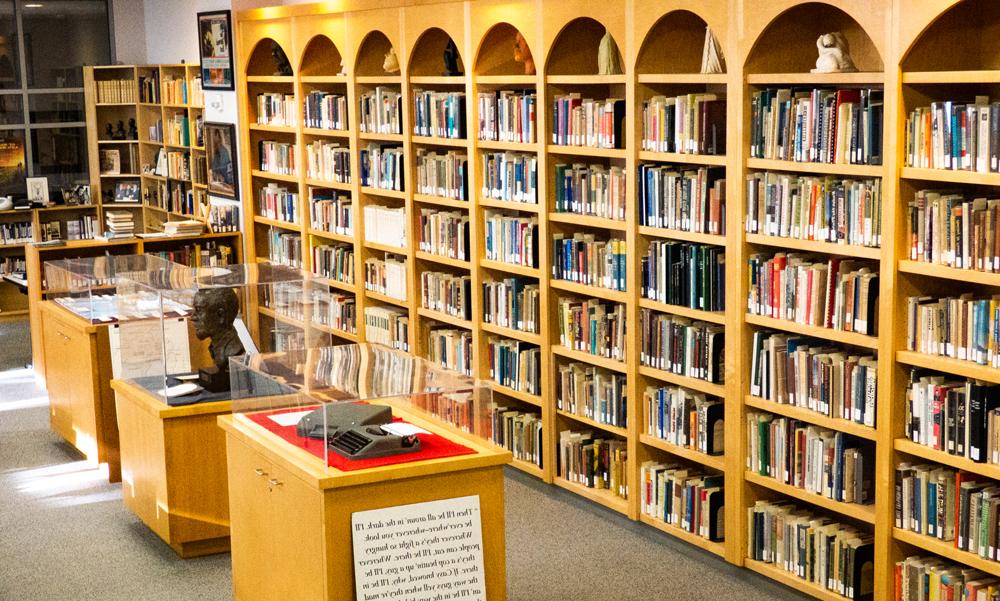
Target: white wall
130 31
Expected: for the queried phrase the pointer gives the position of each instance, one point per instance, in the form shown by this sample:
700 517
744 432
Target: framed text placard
419 552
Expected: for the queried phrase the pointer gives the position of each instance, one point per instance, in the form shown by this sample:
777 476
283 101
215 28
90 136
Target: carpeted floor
15 345
65 534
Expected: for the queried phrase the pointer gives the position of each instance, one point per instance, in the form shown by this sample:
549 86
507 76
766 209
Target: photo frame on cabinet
215 49
220 148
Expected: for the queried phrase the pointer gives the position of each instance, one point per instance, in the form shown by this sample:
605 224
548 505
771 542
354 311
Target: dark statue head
281 64
213 314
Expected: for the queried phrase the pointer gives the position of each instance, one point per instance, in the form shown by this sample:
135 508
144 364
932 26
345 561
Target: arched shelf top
673 45
495 55
371 55
320 57
262 60
961 38
788 43
427 58
574 50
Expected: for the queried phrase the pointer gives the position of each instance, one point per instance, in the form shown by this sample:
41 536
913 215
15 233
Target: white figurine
609 60
391 63
834 54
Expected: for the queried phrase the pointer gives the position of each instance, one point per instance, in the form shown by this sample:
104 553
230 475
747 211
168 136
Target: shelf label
420 552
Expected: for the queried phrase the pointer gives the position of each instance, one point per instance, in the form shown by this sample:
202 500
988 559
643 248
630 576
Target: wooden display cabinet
291 517
173 465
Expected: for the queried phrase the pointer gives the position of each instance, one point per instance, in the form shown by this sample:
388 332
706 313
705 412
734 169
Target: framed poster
220 150
215 47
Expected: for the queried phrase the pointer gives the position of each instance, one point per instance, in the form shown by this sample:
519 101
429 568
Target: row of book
592 392
444 174
334 261
174 90
325 110
814 374
685 124
284 248
16 232
834 293
276 109
518 432
277 157
83 227
508 116
964 328
337 311
385 225
381 111
177 130
512 302
685 418
178 165
685 498
209 253
682 346
592 326
331 211
947 228
13 266
681 198
839 126
955 134
814 548
816 460
276 202
224 217
118 91
446 293
578 121
382 167
586 260
439 114
149 87
593 190
386 276
510 176
823 209
954 415
511 239
388 326
515 364
445 233
155 131
685 274
594 462
328 161
920 578
451 348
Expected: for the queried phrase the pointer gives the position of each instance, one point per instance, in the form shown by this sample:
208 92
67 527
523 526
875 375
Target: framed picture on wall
215 47
220 150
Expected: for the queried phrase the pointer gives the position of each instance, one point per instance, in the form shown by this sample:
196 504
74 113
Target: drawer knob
274 482
259 472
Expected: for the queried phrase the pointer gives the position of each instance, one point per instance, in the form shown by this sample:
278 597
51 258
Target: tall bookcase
911 53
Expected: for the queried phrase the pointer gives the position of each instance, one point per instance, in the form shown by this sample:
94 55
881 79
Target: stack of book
381 111
173 90
187 227
337 311
511 238
439 114
586 260
518 432
682 346
593 190
510 176
387 276
334 261
954 415
512 302
964 328
688 499
388 326
685 274
277 157
949 229
685 419
578 121
276 202
955 134
446 293
382 167
514 364
120 224
681 198
445 233
385 225
328 161
592 392
686 124
284 248
594 462
592 326
507 116
276 109
443 174
121 91
331 212
451 348
919 578
325 110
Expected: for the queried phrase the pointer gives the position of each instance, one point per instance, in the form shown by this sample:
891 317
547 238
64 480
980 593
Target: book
439 114
446 293
593 190
445 174
592 392
681 198
684 274
514 364
380 111
512 302
594 462
328 162
510 176
444 233
507 116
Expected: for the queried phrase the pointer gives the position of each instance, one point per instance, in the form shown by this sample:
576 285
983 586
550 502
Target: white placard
420 552
289 419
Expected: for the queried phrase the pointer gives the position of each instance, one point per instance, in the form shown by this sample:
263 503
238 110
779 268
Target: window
43 129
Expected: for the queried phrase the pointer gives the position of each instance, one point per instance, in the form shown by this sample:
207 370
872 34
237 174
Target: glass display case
359 405
184 323
88 286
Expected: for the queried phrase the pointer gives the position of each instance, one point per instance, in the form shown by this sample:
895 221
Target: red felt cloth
432 446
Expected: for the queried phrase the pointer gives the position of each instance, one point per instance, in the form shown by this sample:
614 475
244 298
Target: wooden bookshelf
916 52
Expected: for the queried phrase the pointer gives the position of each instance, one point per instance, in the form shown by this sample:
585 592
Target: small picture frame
220 152
38 189
127 192
215 48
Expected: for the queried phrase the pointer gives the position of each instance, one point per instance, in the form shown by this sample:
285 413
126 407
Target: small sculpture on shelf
391 63
213 312
711 55
281 64
522 54
834 54
133 129
451 59
120 131
109 132
609 60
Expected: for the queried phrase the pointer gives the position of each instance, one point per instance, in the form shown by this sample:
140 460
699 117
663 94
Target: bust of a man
213 314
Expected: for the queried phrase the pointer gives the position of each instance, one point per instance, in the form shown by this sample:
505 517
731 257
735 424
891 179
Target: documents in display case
328 448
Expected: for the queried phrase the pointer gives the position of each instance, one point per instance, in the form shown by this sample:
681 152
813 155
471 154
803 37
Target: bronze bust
213 314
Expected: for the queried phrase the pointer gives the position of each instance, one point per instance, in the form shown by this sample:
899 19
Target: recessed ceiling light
34 5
